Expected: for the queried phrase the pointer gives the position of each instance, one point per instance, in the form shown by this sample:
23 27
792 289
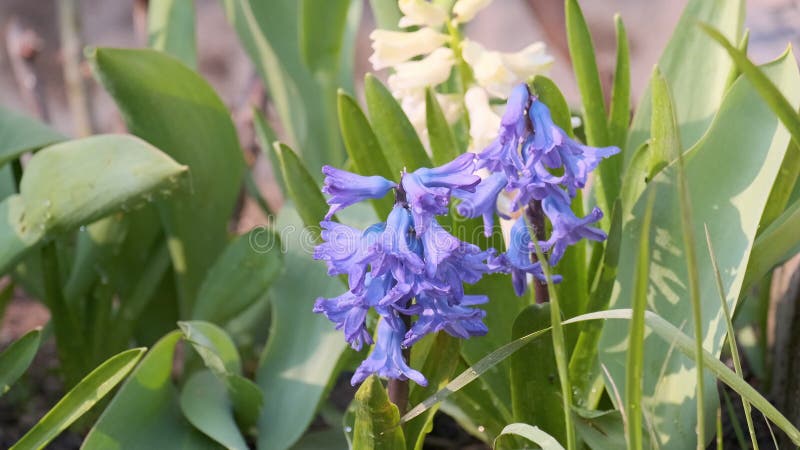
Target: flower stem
535 215
398 389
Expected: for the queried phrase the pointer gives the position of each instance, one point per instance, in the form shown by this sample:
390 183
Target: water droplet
481 428
348 429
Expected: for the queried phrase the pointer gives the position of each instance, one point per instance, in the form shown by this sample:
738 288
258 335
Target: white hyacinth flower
465 10
432 70
413 104
421 12
483 121
498 72
394 47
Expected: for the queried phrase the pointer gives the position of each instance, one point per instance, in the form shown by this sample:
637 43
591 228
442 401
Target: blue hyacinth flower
568 229
347 188
483 201
386 358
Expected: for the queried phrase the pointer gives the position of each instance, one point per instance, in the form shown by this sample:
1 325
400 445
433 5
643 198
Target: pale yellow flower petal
465 10
394 47
498 72
429 71
421 12
483 121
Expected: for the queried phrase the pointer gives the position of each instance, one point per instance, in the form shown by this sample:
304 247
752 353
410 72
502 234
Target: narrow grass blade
775 244
559 347
170 29
737 364
303 190
80 399
620 114
635 358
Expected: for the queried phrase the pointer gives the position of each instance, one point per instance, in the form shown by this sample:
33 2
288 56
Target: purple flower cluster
407 267
525 158
411 271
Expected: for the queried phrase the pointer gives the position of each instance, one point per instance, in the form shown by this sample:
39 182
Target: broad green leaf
443 144
550 95
80 399
332 439
220 355
145 412
440 364
788 115
779 242
363 147
76 182
173 108
635 356
660 328
266 138
602 430
399 141
322 28
303 190
535 389
377 424
240 276
501 311
531 433
620 109
303 348
306 104
205 403
16 358
645 164
170 29
19 134
695 68
730 172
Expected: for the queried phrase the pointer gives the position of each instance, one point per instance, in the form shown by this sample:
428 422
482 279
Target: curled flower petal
503 154
482 202
568 229
386 358
349 313
517 259
395 245
456 318
438 245
346 188
394 47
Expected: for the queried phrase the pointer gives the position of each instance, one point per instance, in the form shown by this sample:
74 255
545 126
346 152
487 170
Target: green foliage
170 29
80 399
377 419
15 359
19 134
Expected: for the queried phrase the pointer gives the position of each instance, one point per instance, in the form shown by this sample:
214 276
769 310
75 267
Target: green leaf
219 354
76 182
80 399
399 141
170 29
697 92
303 190
660 327
16 358
303 348
205 404
550 95
306 104
145 412
377 419
535 389
440 364
531 433
779 242
635 356
788 115
387 14
19 134
602 430
620 114
583 367
321 33
240 276
732 207
443 144
363 147
173 108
